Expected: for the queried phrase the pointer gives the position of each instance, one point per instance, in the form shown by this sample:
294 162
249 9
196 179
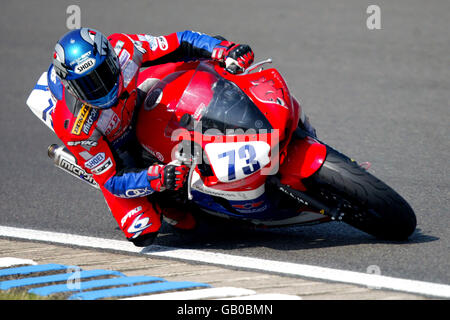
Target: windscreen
220 104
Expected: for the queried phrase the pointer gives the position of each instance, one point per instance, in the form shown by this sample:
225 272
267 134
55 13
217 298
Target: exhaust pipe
64 160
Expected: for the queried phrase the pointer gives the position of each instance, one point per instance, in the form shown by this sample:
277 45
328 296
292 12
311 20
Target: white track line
287 268
210 293
265 296
7 262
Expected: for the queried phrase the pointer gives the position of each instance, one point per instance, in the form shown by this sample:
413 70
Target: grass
15 294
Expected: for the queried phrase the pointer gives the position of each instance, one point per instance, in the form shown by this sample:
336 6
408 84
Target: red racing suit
98 137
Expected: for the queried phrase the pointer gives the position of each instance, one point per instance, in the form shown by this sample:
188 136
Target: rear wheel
366 202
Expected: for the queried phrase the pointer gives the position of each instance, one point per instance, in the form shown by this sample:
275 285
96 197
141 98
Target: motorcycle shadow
221 234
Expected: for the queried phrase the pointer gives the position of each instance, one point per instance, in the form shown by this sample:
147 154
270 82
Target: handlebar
256 65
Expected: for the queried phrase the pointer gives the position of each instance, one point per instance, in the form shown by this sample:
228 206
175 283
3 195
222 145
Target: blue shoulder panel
54 83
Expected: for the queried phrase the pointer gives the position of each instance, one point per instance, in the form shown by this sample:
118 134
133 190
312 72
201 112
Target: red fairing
157 137
266 89
305 156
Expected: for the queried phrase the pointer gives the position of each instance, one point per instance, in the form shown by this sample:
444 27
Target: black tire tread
382 212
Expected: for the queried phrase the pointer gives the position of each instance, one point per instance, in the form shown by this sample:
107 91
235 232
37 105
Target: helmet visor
97 83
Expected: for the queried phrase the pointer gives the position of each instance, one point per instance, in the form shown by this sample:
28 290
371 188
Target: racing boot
179 219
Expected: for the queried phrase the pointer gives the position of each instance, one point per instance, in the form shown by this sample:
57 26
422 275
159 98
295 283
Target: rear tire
367 203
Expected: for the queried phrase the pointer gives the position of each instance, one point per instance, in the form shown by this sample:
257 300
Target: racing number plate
237 160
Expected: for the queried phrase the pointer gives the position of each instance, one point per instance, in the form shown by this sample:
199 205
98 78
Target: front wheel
365 202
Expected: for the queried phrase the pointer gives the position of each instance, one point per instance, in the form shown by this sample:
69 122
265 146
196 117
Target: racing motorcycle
253 155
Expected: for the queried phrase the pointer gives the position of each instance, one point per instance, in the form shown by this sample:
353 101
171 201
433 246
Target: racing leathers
103 140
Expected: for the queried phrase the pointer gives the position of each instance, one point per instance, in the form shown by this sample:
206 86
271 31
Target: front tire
366 202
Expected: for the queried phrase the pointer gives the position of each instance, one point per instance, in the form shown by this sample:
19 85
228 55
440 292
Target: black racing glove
237 57
168 177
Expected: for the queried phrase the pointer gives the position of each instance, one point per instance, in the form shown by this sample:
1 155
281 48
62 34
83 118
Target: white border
285 268
7 262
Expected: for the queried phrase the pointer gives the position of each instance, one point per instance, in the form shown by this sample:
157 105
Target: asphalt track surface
376 95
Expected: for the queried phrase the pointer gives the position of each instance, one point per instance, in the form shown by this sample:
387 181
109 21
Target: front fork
304 199
305 156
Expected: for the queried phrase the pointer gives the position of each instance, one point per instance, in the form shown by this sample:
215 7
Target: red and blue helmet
88 67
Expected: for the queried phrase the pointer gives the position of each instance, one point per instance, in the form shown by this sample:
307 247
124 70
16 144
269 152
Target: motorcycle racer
93 80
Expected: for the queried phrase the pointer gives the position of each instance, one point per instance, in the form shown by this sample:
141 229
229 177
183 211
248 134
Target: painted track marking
256 264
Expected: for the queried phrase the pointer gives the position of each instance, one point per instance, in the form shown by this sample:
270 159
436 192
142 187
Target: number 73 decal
236 160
